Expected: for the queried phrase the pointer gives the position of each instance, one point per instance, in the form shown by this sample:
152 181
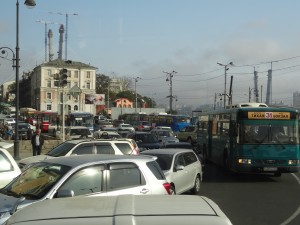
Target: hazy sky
143 38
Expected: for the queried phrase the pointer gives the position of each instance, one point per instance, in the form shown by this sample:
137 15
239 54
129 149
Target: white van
122 210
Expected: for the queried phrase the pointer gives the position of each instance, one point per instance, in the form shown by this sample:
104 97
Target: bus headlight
294 162
244 161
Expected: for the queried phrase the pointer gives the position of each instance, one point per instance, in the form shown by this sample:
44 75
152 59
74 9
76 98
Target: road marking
297 212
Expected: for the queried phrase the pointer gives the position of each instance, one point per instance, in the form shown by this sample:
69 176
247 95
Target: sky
152 38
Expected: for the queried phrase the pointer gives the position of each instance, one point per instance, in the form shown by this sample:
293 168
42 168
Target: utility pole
66 34
225 70
169 79
136 79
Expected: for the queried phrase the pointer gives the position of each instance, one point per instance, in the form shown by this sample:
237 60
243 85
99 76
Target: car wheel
196 189
189 140
172 190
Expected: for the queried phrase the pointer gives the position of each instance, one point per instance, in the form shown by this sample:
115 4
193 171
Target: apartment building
46 95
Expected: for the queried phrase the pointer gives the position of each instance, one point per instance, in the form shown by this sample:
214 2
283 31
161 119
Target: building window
69 107
75 107
76 83
76 74
48 95
49 73
88 85
49 107
49 83
69 84
88 74
69 97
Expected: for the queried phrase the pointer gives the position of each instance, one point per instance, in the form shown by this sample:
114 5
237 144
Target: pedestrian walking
37 142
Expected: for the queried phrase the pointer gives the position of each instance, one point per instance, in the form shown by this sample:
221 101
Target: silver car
165 136
123 210
86 175
181 167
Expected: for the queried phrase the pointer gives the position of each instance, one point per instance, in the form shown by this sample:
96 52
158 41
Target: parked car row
100 167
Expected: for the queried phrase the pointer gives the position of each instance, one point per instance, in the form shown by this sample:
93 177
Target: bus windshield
268 134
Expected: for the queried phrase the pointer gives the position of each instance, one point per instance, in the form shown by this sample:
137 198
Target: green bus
253 139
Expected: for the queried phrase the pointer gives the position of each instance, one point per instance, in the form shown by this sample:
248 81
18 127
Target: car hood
7 202
34 159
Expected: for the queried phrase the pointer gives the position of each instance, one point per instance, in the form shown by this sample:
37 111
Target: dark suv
145 140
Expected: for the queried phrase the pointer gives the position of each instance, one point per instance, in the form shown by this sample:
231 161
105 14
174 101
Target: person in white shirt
37 142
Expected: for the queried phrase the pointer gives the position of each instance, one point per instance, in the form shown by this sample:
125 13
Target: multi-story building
46 95
6 96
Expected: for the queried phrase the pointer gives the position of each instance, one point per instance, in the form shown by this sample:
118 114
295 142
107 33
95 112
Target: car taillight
167 186
135 151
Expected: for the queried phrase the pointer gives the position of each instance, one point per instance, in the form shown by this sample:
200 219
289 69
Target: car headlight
294 162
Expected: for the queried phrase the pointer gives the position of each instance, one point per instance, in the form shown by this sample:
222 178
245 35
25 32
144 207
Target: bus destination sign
269 115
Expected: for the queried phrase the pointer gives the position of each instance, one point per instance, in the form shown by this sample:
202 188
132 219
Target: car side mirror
179 167
65 193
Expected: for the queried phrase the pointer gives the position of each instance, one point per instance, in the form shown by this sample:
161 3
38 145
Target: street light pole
135 81
29 3
225 69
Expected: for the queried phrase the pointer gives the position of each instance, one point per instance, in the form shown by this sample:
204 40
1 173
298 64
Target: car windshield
36 181
61 150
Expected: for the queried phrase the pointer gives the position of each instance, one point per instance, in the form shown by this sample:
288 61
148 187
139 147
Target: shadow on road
214 173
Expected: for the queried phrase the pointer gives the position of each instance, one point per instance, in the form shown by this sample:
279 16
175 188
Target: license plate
270 169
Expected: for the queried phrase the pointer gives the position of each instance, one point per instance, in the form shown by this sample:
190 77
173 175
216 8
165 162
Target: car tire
172 190
189 140
196 189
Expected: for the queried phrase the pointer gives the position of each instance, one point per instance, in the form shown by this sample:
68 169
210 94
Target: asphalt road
254 199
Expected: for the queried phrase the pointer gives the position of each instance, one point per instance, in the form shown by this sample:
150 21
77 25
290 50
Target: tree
102 83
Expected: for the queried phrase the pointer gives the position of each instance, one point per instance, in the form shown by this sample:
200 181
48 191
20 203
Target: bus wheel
277 174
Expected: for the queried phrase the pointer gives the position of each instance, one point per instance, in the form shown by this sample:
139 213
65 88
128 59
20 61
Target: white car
85 175
9 168
165 136
75 133
123 210
106 134
82 147
125 127
181 167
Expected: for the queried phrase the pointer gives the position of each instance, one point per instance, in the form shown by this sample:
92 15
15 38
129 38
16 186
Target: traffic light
63 77
56 80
